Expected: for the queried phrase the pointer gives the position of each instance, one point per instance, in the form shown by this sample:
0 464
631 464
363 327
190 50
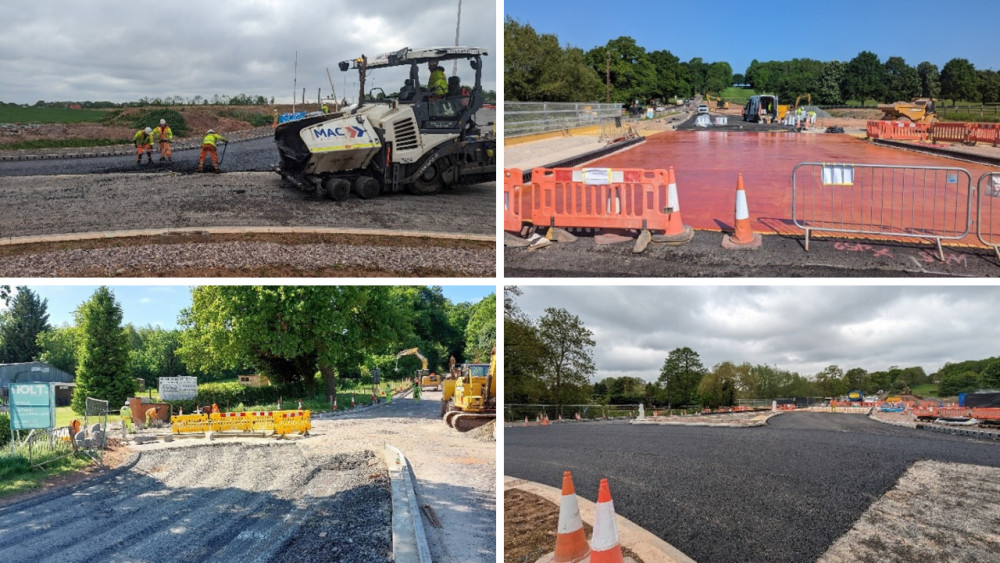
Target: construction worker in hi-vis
143 141
438 82
208 147
165 136
126 413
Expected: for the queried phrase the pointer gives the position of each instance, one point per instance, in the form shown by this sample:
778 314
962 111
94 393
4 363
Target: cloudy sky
799 328
109 50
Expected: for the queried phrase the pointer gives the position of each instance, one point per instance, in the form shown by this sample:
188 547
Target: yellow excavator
427 379
719 102
470 395
783 109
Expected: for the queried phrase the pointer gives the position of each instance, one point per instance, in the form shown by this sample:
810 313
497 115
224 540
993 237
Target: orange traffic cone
545 420
526 420
604 546
577 415
571 540
742 238
677 233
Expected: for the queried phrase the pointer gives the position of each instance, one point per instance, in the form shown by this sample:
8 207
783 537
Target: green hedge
151 118
4 429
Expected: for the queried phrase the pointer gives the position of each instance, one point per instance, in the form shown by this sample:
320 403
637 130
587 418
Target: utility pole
607 77
458 26
336 101
295 80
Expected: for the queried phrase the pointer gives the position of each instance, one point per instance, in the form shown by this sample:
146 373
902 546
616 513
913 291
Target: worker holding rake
208 148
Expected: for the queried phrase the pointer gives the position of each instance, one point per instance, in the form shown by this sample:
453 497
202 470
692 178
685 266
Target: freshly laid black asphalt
243 156
783 492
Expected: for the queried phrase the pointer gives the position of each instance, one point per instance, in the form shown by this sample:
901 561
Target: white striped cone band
672 200
605 527
742 211
569 515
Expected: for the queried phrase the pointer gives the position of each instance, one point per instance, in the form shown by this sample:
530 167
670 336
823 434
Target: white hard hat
211 130
163 122
148 130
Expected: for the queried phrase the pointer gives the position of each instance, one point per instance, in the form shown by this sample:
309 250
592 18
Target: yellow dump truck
920 110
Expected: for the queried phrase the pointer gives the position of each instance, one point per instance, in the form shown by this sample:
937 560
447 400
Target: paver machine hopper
418 139
470 395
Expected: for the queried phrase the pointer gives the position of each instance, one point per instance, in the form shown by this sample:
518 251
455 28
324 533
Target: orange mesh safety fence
897 130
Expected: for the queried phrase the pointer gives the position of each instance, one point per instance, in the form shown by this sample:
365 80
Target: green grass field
738 96
15 114
925 390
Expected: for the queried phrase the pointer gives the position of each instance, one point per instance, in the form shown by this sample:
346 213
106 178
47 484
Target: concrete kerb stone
630 535
409 543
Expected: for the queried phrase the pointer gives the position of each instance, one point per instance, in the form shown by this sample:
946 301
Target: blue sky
739 31
159 305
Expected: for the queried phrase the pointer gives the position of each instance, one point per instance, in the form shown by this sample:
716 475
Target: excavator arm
413 352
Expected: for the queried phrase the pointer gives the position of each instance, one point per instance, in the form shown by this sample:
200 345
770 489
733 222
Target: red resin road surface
707 163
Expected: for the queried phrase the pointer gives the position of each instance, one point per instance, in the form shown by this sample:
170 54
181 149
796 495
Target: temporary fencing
988 216
525 118
599 198
898 130
513 199
280 422
899 201
938 132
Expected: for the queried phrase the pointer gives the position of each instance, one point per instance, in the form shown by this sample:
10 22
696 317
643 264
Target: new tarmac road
783 492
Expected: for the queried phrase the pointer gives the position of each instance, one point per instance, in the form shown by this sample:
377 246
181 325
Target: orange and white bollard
743 237
604 546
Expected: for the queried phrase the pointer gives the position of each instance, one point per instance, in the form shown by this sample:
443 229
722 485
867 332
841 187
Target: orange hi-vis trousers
148 149
165 150
208 149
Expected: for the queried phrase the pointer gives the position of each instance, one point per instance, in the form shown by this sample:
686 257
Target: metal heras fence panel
926 202
95 423
40 446
988 218
525 118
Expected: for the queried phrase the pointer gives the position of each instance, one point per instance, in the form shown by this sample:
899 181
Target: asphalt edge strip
406 517
630 535
189 143
75 237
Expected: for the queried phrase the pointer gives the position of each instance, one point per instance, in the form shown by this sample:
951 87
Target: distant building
254 380
35 372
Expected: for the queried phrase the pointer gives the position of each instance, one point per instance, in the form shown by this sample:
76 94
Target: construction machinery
470 395
418 139
719 102
427 378
784 109
920 110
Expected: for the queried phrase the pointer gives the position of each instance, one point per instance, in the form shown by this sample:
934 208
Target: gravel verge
254 259
936 512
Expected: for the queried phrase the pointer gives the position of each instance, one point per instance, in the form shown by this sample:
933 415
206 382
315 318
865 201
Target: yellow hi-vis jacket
438 83
213 138
141 138
164 133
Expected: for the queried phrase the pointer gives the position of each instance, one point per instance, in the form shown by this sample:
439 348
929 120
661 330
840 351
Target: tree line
293 334
537 68
550 361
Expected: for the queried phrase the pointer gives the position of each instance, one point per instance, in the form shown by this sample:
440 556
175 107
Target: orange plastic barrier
950 132
600 198
513 199
897 130
985 133
953 412
986 413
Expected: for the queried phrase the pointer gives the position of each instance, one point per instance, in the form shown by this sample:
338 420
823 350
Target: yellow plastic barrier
262 420
287 422
222 422
183 423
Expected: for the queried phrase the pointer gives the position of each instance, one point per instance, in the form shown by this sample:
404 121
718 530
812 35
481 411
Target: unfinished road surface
444 234
783 492
320 498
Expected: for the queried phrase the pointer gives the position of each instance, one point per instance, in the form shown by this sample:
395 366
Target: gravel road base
225 502
936 512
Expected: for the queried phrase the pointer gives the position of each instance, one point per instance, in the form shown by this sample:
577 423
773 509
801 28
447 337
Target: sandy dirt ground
937 512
